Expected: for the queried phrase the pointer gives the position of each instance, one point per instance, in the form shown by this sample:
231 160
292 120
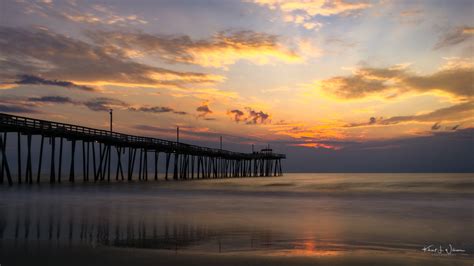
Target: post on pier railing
177 134
111 116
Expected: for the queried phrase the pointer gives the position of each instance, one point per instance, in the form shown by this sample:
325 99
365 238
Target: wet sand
116 256
298 219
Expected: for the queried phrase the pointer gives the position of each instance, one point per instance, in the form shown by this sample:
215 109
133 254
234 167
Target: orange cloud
57 56
304 131
454 79
221 50
317 145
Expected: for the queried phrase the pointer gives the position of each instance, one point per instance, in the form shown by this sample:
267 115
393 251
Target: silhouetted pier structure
189 161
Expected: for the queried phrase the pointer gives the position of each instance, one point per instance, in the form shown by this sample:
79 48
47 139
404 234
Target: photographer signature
450 250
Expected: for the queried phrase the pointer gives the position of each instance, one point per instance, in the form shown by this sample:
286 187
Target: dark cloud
452 113
154 109
52 99
250 117
255 117
458 80
204 110
104 104
58 56
436 126
34 80
16 109
157 109
455 36
455 127
237 115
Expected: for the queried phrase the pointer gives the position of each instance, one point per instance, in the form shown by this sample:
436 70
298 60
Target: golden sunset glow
321 75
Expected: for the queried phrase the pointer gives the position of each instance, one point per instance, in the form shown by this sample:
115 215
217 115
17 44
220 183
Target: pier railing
37 126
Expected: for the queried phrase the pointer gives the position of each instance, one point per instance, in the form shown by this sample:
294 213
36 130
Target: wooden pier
102 148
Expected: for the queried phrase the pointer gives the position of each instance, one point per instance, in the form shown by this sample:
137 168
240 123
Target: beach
296 219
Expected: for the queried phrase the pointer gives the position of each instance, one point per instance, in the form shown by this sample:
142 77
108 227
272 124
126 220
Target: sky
336 85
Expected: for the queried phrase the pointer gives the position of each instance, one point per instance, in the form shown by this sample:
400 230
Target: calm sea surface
293 215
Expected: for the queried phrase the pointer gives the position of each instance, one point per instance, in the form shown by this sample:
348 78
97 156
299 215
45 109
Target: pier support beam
19 157
73 156
5 166
52 173
40 160
29 169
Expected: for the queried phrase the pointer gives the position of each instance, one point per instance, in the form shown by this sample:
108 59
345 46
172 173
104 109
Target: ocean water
310 215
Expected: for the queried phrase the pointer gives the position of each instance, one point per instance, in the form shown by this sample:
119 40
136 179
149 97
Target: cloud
353 86
16 109
436 126
316 145
94 104
53 55
204 110
256 117
221 50
299 130
455 127
87 14
34 80
52 99
411 16
455 36
304 13
250 116
104 104
157 109
455 79
452 113
236 114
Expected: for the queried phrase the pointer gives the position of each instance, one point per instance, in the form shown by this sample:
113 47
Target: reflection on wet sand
94 229
72 227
